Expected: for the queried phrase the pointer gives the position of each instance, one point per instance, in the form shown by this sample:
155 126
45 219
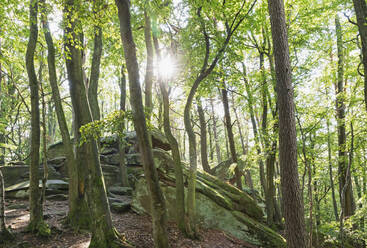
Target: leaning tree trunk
103 232
36 223
346 200
232 146
291 196
158 206
203 139
78 211
180 188
360 8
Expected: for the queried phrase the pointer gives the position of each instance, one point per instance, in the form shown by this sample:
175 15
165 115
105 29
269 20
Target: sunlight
166 67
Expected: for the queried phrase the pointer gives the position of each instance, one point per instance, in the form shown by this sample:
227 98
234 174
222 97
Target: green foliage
112 123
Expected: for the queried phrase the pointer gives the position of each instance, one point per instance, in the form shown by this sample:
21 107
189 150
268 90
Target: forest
183 123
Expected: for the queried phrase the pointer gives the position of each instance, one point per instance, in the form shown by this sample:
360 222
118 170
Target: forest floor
136 228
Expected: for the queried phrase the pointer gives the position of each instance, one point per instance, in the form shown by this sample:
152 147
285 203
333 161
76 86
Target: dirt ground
136 228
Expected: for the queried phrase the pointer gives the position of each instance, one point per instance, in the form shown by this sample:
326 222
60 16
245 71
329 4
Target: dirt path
136 228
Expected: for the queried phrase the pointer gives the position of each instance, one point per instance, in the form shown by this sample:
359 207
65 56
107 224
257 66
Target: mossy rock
212 213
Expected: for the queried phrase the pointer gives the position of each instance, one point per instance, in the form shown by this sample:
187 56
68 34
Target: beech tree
292 200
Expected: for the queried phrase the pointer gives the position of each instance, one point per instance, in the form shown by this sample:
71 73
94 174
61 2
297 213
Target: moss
40 228
270 237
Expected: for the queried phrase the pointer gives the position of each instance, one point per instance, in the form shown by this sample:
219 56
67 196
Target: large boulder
20 173
21 190
219 206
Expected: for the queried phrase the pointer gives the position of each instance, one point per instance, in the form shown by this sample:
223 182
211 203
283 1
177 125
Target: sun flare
166 67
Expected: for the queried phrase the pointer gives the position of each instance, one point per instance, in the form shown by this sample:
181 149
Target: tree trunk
342 140
78 211
292 200
335 206
216 140
94 70
123 169
232 146
2 133
180 188
250 101
103 232
5 235
203 138
36 223
149 66
360 8
44 135
158 207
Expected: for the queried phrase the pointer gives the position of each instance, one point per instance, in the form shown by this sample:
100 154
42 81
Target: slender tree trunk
158 207
149 67
36 223
2 134
360 8
232 146
95 67
342 140
203 138
180 188
44 136
123 169
250 101
103 232
335 206
293 208
78 211
216 140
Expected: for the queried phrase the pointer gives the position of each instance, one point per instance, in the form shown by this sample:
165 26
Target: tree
203 139
77 215
292 200
103 232
96 62
5 234
346 200
36 223
158 208
360 8
232 147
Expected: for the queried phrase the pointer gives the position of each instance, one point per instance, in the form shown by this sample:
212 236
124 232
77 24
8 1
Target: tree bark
203 138
292 200
158 207
335 206
232 146
342 140
95 68
360 8
36 223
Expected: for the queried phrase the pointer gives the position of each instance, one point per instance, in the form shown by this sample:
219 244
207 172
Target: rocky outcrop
219 206
239 213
